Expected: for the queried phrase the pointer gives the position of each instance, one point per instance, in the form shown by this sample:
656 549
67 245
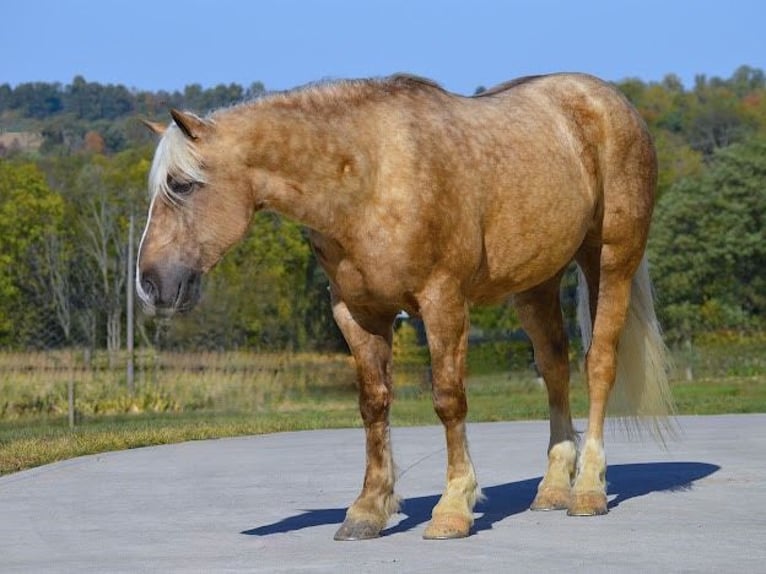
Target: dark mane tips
505 86
336 94
411 81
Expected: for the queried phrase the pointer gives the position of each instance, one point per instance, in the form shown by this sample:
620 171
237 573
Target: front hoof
447 526
588 504
357 530
551 499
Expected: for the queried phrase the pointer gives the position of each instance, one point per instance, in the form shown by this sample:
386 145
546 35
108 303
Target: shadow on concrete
625 481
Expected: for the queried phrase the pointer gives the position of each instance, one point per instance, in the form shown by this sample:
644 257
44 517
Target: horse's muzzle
169 289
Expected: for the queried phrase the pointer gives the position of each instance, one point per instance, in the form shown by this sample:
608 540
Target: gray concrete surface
272 503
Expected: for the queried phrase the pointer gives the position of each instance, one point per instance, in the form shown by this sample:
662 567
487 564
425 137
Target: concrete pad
272 504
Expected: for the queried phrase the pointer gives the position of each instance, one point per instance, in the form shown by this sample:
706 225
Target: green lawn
227 408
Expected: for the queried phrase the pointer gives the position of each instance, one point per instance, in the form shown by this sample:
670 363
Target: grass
184 397
25 445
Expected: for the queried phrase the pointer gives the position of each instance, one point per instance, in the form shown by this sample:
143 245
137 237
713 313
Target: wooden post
70 386
689 360
70 397
130 375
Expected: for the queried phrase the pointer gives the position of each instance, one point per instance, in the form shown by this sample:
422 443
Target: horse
421 200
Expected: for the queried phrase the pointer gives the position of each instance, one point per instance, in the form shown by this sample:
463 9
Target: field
187 396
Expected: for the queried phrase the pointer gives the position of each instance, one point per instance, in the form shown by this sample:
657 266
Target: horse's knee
375 402
450 404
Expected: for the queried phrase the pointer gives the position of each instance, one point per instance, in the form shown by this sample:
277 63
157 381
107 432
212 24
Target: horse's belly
524 256
495 287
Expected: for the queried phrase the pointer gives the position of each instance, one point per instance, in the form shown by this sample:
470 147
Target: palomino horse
422 200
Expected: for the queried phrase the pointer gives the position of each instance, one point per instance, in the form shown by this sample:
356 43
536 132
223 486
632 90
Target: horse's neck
305 168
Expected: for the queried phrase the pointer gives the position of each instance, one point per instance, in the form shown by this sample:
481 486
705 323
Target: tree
94 142
106 191
676 159
36 99
746 80
255 90
717 117
6 93
115 102
708 245
29 213
52 287
82 98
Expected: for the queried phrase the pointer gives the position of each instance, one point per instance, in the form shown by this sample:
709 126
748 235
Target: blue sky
167 44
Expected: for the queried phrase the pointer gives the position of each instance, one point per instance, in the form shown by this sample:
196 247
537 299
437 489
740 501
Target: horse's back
609 141
498 191
549 148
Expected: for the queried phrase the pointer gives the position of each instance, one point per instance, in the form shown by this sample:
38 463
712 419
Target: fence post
130 375
70 399
689 360
70 386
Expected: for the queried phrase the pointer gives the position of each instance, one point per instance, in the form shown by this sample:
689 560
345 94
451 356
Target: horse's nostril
149 288
168 289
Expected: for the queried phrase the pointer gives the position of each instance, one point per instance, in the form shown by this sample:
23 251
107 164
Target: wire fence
78 382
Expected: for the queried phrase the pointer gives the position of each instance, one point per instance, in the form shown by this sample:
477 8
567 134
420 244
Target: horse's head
199 209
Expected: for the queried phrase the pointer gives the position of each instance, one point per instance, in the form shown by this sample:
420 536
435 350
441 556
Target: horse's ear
154 127
192 126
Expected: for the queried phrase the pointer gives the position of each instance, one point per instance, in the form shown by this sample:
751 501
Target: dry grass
35 384
181 396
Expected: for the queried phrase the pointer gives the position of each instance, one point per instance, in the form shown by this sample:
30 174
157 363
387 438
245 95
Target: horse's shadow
625 481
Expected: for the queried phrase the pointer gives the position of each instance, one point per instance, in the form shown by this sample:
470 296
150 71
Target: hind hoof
588 504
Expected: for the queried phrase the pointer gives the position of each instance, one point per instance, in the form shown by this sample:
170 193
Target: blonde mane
176 156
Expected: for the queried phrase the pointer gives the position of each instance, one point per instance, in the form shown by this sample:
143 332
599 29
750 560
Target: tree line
65 209
93 101
95 117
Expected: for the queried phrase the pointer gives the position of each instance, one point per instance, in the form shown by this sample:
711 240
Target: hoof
357 530
551 499
447 526
588 504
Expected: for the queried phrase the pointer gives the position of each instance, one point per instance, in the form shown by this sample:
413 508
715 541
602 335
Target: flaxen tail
641 397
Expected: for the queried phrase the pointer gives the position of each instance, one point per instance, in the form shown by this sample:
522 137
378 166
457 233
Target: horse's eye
179 187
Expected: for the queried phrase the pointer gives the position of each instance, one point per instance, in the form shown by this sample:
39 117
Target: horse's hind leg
371 346
539 311
609 258
609 273
445 314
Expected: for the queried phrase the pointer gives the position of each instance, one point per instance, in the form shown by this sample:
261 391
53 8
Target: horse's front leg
445 314
371 346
